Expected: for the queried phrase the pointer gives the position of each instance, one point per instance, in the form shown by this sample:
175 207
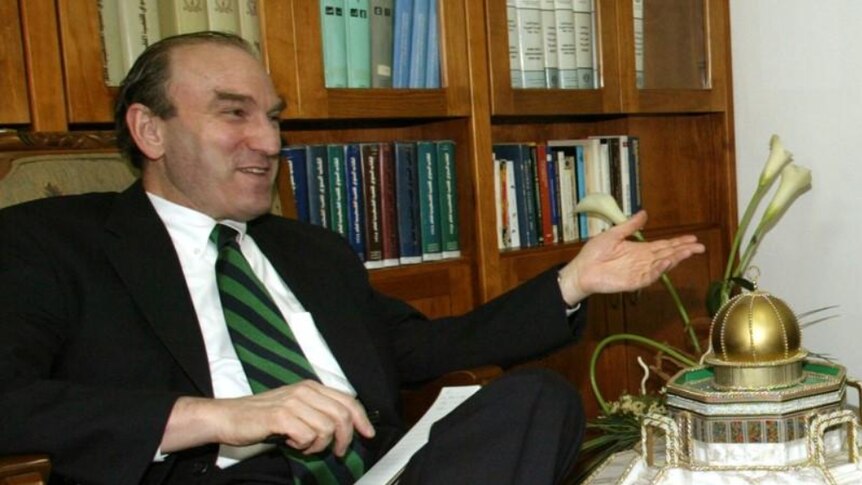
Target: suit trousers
524 428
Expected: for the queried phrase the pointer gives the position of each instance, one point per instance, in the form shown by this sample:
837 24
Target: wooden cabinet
15 107
681 112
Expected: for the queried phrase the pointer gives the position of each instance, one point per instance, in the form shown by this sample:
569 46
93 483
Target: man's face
219 153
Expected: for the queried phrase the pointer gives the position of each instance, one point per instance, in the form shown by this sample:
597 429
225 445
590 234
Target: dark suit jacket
98 334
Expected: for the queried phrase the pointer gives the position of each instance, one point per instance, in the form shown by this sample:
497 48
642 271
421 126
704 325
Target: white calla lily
603 205
778 159
795 180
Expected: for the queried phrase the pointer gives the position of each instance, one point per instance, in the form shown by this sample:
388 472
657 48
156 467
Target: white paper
390 466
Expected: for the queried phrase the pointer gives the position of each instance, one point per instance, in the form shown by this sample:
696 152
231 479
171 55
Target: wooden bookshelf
685 131
15 109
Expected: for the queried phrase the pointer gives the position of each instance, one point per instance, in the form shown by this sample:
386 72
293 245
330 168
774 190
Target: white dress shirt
190 231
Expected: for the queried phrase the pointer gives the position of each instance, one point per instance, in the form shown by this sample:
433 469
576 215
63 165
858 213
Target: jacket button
374 416
200 468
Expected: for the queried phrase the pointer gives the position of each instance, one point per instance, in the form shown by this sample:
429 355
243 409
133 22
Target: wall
798 73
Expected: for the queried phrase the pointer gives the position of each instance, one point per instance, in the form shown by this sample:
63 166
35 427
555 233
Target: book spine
223 16
568 221
528 188
512 221
401 37
429 214
625 175
515 67
249 24
388 205
418 44
407 189
543 184
448 195
333 29
432 63
554 195
133 39
583 18
638 10
358 38
318 185
550 43
499 201
373 215
181 17
355 199
337 188
581 190
381 43
112 49
532 50
294 158
564 16
635 172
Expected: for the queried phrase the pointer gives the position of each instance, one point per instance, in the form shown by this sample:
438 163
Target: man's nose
265 137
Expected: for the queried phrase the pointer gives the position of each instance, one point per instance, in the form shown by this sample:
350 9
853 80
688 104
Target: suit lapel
340 325
143 255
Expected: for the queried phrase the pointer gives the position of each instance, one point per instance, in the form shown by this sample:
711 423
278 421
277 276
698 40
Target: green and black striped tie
270 355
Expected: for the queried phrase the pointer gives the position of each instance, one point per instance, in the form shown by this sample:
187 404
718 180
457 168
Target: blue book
355 199
318 185
401 37
407 200
336 188
554 194
333 29
294 157
581 190
432 69
418 44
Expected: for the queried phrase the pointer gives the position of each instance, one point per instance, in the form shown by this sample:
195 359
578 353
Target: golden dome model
755 343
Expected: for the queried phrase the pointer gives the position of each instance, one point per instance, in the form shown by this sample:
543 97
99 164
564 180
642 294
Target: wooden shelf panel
15 108
436 288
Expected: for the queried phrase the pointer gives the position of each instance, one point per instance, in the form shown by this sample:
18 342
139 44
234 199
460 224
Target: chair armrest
24 469
415 401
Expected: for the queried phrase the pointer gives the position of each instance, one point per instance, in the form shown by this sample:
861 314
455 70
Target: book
543 185
515 66
317 173
581 189
498 169
407 198
332 27
294 157
358 38
355 199
181 17
549 41
567 66
401 38
554 196
138 22
223 16
522 197
381 43
370 153
388 205
513 230
418 44
583 19
635 172
432 58
337 188
638 14
450 243
429 213
532 50
112 49
249 24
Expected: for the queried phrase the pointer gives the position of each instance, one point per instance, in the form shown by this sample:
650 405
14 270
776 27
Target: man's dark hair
146 83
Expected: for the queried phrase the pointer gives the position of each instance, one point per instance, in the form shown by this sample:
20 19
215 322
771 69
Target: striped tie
270 355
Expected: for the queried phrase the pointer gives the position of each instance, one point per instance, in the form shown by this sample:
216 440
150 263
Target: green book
429 213
333 29
358 36
337 189
447 191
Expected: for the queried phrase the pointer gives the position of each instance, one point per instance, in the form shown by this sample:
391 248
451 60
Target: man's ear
147 130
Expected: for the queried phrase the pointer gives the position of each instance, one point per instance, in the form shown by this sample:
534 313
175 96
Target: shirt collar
190 228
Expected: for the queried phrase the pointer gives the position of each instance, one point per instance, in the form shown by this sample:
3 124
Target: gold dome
755 344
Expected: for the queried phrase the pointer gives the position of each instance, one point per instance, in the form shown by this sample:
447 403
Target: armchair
34 174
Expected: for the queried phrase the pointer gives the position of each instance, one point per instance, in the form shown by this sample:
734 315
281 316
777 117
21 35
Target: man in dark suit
115 359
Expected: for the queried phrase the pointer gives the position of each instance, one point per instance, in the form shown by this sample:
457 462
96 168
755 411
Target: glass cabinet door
670 45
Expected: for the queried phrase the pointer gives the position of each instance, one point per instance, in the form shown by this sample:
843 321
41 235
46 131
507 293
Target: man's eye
237 113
